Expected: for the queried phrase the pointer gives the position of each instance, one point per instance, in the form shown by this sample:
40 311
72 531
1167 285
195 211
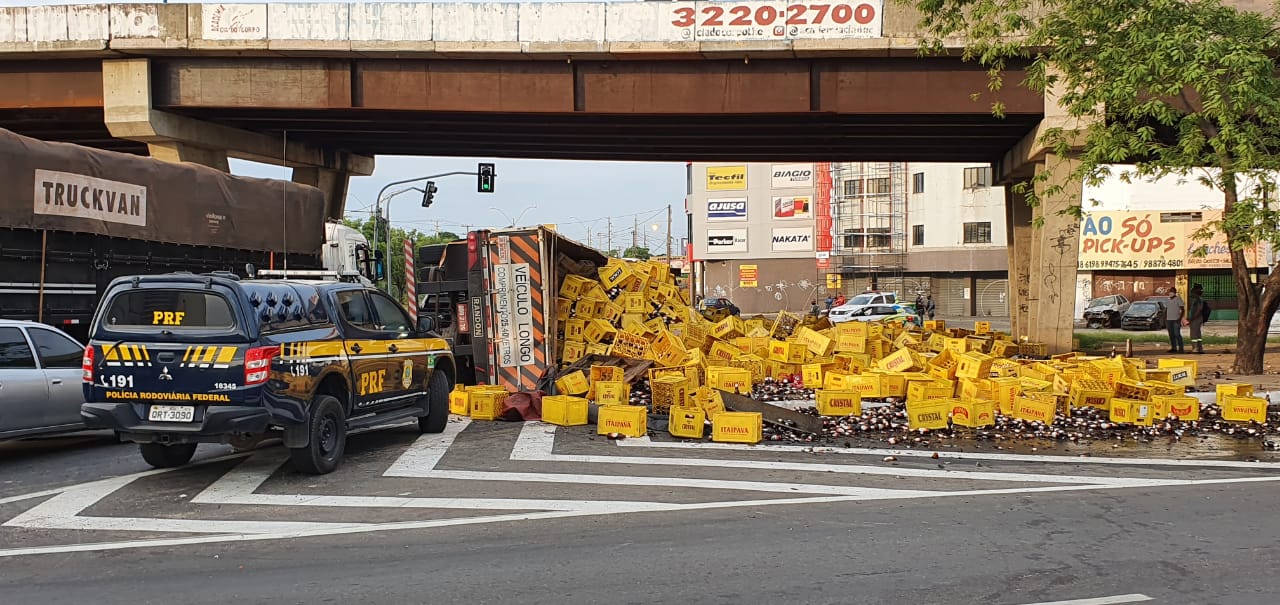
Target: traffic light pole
485 171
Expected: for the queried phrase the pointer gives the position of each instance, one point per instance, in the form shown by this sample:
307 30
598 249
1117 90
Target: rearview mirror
426 323
379 270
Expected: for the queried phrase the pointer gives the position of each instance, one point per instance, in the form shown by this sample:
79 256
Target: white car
40 380
846 311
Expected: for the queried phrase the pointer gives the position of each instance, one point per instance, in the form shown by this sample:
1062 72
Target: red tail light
473 249
257 364
86 364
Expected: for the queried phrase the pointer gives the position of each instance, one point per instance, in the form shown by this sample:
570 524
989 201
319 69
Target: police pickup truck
180 359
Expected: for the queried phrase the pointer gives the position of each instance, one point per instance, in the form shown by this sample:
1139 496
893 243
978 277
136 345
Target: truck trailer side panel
63 187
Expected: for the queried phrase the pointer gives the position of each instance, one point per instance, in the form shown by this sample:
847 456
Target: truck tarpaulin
63 187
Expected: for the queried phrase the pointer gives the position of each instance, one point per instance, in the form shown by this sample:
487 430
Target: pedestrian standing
1174 313
1196 307
840 300
929 307
830 301
813 310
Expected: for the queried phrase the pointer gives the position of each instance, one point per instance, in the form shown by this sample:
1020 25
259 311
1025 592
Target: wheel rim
328 435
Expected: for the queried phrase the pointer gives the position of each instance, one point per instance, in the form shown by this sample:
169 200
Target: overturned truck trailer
73 218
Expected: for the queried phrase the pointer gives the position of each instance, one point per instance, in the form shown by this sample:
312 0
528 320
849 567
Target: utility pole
668 234
608 242
589 235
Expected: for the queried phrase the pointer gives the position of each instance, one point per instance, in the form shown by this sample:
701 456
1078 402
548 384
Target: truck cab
180 359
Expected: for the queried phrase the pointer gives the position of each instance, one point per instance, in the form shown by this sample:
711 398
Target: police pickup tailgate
172 379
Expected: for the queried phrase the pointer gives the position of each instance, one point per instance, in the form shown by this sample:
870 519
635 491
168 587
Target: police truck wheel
167 456
437 405
327 438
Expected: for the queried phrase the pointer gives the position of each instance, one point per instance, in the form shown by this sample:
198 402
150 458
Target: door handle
355 348
57 381
393 348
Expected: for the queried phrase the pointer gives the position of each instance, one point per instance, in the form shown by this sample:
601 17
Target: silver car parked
40 380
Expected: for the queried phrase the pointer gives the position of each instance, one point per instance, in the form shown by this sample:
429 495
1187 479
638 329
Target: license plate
171 413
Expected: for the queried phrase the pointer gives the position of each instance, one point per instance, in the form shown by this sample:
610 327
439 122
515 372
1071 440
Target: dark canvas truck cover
64 187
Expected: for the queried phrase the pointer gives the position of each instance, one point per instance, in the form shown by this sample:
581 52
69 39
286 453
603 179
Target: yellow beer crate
838 403
573 383
574 286
1232 389
931 414
612 393
1181 407
687 422
628 345
973 413
733 380
629 420
564 410
487 405
1244 409
668 392
737 427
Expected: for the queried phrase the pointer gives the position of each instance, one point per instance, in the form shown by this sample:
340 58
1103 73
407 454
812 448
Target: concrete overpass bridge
325 87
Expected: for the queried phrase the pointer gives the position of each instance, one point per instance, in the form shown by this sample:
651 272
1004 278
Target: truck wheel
437 405
326 438
167 456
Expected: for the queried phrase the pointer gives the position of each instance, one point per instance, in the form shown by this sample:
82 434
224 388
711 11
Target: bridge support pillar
175 151
129 114
1054 254
333 183
1018 230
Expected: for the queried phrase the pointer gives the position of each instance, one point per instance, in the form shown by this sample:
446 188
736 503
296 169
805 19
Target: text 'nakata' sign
793 240
726 178
90 198
1154 240
777 20
748 276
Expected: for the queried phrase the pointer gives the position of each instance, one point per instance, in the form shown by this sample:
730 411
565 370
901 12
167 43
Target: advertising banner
726 178
791 176
721 241
513 306
793 207
727 209
748 276
793 239
1154 240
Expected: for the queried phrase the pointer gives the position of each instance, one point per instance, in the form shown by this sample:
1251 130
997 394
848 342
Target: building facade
923 229
753 233
1138 239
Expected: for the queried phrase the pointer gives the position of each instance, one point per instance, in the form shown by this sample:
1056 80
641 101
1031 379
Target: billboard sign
726 178
1155 240
788 207
791 176
727 209
793 239
723 241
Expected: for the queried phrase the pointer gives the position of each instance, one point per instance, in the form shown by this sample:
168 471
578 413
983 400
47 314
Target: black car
177 360
718 308
1143 315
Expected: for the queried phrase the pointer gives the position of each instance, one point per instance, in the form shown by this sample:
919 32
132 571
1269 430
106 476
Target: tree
1184 88
639 252
395 262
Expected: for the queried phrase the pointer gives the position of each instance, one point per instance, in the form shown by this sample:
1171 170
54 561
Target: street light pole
517 218
382 191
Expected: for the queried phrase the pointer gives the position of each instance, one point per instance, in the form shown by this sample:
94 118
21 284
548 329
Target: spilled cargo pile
713 376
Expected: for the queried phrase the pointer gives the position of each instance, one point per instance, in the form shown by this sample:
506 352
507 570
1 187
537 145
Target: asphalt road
857 530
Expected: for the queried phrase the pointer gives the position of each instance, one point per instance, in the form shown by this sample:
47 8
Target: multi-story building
753 233
922 229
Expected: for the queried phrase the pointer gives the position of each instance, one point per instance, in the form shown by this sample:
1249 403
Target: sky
574 195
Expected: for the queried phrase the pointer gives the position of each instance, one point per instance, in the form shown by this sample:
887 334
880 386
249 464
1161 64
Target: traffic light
484 182
429 194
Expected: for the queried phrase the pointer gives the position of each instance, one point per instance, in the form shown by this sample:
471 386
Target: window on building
917 235
917 182
977 233
878 185
853 187
975 178
1181 217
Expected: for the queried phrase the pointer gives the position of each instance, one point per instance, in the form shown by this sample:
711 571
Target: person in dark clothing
1195 317
929 307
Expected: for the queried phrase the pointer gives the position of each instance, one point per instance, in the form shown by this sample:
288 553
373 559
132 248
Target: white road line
63 512
642 442
427 450
239 485
535 444
1116 600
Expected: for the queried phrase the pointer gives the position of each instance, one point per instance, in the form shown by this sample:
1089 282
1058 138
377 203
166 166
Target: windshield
862 299
1100 302
1145 306
169 308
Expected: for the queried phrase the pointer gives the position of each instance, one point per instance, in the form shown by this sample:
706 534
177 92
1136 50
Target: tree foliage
639 252
1182 88
395 262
